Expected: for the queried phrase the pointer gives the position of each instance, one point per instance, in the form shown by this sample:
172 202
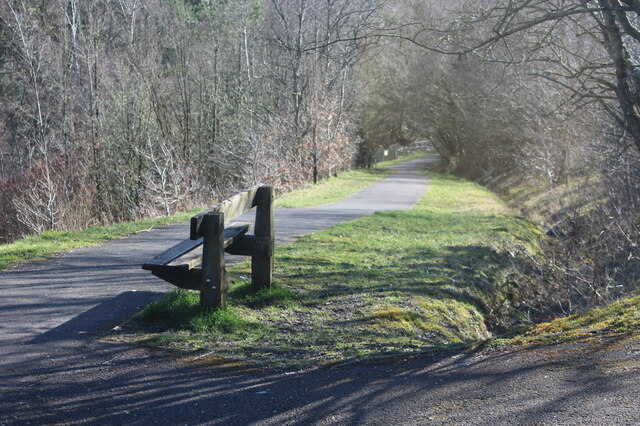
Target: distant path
399 191
50 372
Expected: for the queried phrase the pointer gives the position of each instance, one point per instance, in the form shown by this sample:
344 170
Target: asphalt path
54 370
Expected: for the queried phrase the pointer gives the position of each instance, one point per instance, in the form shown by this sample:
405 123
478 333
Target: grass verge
340 187
415 155
387 284
331 190
53 242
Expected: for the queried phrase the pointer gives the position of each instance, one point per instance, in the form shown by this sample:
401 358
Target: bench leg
262 266
213 289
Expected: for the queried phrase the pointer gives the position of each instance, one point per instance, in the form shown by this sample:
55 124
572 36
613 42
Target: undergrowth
591 256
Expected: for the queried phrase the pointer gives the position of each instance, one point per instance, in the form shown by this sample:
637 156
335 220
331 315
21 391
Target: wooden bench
198 263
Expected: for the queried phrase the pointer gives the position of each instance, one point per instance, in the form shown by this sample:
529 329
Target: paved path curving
400 191
51 372
92 288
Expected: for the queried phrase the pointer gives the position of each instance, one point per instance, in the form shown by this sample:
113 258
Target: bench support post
213 289
262 266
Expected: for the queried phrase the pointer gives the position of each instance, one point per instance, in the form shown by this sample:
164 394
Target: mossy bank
619 317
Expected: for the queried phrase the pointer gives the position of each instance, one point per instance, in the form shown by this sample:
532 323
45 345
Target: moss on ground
622 316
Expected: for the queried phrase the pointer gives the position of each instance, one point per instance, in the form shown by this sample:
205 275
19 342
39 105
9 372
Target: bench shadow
99 318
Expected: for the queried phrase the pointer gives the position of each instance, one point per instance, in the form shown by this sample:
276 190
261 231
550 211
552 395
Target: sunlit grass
619 317
392 283
415 155
331 190
53 242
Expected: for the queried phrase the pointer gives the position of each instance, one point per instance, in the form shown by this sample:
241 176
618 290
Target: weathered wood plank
173 253
189 280
250 245
192 259
213 290
183 256
262 266
232 208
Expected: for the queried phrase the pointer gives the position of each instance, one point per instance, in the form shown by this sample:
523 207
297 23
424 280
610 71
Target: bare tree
125 101
589 48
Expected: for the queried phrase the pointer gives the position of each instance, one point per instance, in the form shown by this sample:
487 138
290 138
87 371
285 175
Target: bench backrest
232 208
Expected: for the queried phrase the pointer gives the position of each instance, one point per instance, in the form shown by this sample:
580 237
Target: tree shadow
469 274
112 384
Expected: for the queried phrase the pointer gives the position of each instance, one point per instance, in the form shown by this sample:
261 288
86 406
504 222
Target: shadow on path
117 385
99 318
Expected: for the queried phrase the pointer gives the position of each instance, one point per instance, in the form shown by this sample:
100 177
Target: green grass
387 284
181 309
340 187
331 190
53 242
619 317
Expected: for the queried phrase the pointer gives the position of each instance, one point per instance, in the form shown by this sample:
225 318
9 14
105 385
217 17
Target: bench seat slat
172 253
187 254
